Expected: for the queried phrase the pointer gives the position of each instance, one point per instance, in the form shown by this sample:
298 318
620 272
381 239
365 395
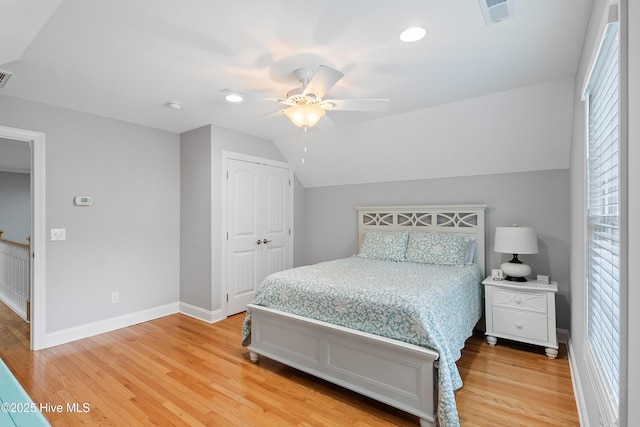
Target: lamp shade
304 115
516 240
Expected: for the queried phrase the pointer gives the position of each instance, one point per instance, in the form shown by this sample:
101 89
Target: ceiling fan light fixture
304 115
413 34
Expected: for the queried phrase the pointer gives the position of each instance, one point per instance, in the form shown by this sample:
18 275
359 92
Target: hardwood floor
180 371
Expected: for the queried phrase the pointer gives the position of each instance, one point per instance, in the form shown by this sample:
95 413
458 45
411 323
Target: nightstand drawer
520 324
529 301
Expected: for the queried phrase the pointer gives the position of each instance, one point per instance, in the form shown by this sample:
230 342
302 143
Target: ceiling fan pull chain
304 129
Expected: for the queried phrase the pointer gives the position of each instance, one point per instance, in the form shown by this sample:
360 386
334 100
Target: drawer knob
518 300
518 325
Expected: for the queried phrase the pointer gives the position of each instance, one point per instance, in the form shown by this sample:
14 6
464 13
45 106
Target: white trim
108 325
229 155
38 229
253 159
563 335
623 114
208 316
609 413
581 405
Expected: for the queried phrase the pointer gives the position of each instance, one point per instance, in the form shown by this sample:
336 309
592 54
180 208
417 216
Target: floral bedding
433 306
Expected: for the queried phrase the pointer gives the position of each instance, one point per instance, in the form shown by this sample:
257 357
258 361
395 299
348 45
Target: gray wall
630 337
128 241
15 206
195 217
536 199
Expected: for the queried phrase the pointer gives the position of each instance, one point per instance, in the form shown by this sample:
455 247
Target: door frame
229 155
38 229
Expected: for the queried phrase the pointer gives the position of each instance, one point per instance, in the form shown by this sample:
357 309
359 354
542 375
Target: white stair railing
15 276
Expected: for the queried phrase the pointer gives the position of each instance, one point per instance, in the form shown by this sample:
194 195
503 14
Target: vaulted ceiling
127 59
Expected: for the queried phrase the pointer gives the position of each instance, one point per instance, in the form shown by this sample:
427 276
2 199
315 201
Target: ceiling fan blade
253 95
355 104
323 79
271 115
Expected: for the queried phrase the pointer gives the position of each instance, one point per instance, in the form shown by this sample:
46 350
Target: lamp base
515 271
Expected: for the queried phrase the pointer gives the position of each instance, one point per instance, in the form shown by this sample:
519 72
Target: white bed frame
399 374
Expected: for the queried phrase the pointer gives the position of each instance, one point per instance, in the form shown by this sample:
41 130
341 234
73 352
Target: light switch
58 234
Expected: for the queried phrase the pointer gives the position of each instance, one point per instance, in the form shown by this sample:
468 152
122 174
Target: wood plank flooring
183 372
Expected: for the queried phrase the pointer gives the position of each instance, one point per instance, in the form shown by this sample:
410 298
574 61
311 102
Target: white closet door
276 220
258 226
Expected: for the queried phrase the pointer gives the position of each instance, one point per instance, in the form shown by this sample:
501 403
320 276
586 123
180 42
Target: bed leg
427 423
253 356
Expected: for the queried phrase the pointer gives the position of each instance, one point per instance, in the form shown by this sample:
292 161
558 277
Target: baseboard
108 325
199 313
577 384
563 335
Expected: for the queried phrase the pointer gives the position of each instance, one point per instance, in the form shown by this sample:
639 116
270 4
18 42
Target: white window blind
603 253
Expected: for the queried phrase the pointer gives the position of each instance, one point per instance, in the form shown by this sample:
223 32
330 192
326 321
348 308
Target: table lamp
516 241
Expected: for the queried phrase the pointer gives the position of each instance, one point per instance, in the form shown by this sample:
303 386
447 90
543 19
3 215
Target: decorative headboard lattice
458 219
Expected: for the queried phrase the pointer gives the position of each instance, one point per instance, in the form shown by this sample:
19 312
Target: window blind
603 217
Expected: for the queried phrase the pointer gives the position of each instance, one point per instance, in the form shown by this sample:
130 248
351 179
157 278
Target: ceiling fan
305 105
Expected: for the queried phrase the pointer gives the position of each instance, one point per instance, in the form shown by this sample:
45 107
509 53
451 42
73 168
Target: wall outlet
58 234
115 297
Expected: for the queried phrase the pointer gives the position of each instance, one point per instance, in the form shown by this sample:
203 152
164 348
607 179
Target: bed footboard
399 374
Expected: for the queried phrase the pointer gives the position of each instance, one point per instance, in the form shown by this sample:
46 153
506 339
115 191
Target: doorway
38 229
15 225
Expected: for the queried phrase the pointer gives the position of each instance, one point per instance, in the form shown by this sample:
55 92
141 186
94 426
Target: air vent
4 77
495 11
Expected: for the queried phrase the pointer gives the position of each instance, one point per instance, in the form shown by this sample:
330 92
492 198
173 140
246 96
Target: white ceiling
126 59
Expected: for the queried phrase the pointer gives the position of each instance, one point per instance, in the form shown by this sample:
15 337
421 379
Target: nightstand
521 311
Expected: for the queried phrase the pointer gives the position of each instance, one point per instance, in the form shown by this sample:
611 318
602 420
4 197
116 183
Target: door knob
258 242
265 241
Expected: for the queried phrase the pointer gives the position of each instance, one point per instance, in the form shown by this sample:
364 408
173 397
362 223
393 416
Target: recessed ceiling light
234 98
413 34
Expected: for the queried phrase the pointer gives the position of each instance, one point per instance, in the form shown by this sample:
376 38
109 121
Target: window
603 220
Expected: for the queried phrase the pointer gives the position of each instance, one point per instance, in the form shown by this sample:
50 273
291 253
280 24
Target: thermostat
82 201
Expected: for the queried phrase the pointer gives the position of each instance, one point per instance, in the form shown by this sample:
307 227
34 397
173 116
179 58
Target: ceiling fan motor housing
297 95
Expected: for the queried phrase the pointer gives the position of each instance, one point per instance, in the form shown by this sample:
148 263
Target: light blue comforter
428 305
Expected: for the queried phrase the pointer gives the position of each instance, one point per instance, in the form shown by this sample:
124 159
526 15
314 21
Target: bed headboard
458 219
